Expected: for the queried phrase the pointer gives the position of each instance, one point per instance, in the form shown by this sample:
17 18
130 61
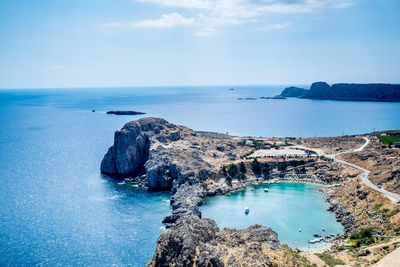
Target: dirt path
385 244
390 260
313 258
392 196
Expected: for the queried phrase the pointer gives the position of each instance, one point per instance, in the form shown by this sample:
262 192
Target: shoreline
325 196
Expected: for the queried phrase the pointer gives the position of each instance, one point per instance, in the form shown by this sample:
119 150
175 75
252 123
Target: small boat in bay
266 190
315 240
246 210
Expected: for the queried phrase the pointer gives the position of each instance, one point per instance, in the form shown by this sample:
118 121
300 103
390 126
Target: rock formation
169 155
293 92
192 241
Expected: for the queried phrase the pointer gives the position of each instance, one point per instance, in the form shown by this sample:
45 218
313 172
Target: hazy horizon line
187 85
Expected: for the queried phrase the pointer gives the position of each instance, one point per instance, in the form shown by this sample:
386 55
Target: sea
57 209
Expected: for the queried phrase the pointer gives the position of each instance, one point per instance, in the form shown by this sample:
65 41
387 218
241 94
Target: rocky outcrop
185 202
130 150
343 215
293 92
178 246
346 91
160 150
192 241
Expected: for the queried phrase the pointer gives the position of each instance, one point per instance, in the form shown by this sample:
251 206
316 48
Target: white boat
266 190
246 210
323 229
315 240
299 229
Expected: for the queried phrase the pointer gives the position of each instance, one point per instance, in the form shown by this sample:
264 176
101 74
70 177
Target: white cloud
166 21
216 13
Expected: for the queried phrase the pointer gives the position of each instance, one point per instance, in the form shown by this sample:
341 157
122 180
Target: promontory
192 165
347 91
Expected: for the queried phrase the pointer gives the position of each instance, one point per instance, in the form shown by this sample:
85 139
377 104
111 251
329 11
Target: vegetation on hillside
329 260
389 139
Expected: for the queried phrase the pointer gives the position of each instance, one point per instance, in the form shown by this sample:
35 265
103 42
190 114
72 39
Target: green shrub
367 232
355 236
329 260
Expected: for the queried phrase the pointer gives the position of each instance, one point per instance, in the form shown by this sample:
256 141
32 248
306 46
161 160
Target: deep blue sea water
57 209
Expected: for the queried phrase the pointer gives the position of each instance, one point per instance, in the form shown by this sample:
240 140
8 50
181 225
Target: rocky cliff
347 91
169 155
199 242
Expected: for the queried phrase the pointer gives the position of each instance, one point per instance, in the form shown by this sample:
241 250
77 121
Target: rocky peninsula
191 165
347 91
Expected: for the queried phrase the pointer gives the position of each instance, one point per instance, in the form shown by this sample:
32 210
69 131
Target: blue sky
91 43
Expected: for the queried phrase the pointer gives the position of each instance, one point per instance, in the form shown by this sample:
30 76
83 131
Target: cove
285 208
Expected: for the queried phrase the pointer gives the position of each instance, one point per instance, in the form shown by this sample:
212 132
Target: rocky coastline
180 160
342 214
189 164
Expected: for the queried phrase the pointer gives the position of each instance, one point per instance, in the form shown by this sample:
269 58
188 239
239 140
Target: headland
192 165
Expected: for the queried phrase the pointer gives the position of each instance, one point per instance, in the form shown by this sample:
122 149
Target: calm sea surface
286 208
57 209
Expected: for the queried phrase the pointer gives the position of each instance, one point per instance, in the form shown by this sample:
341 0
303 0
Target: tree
265 169
228 180
282 166
242 168
233 170
224 171
255 166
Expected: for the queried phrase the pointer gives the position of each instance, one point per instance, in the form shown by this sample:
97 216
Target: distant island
125 112
347 91
262 97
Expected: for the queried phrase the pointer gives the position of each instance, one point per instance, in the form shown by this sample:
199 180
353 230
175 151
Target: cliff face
345 91
154 146
130 150
169 155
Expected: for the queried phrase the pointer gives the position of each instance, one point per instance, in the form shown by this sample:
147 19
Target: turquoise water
56 209
286 208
